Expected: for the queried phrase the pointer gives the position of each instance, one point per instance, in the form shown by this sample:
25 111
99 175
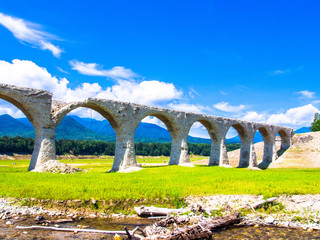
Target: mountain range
76 128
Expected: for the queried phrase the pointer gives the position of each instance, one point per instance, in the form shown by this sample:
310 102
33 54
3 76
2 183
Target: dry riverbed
297 211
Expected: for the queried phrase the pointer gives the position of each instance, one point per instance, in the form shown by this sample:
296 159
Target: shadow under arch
212 131
243 159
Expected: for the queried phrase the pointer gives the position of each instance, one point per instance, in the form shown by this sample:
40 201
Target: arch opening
263 147
234 139
18 105
202 142
153 140
16 131
84 133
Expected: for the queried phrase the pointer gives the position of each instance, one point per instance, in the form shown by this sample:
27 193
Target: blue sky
253 60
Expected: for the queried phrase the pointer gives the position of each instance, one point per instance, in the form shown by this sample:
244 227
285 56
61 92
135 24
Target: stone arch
171 126
214 135
163 117
107 114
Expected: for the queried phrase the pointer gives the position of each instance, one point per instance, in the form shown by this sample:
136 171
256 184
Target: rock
54 166
39 218
8 222
269 220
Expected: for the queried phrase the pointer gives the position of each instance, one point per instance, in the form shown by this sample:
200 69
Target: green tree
315 127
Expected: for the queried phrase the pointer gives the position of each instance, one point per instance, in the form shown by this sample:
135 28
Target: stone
54 166
269 220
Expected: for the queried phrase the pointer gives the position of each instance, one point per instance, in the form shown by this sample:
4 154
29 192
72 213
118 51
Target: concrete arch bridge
45 114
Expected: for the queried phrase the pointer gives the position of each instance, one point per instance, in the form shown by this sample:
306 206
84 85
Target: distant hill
76 128
303 130
12 127
236 139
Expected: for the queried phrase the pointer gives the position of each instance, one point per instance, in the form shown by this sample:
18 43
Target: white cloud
7 108
278 72
93 69
193 92
306 94
30 33
299 116
28 74
226 107
154 120
254 116
188 107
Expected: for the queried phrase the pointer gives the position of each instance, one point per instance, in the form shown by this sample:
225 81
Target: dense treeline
77 147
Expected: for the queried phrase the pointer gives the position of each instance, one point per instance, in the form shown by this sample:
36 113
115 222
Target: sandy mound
304 152
54 166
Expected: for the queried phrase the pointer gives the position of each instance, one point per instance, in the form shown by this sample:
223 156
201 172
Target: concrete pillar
285 142
44 147
253 157
124 156
179 149
270 151
215 152
218 154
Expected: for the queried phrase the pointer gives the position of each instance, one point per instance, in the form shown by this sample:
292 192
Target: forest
23 145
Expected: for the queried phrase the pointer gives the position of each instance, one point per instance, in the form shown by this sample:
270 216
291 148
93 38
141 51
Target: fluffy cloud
306 94
226 107
6 108
93 69
28 74
254 116
30 33
299 116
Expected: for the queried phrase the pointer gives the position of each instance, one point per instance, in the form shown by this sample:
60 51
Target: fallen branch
257 204
34 227
152 211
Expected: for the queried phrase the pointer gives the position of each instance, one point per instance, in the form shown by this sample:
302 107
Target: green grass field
152 182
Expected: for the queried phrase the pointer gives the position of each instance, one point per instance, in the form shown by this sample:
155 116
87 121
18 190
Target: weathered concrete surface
36 105
124 118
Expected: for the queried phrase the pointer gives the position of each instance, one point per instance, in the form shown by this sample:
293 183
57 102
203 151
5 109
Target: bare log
34 227
152 211
257 204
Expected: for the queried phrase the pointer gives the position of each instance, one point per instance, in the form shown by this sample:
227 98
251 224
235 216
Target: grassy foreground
152 182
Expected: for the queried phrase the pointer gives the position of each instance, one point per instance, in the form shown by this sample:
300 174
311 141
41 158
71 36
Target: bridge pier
124 156
44 147
247 155
218 154
179 150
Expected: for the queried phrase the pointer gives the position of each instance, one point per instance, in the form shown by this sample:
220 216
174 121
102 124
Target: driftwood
152 211
170 220
35 227
202 230
66 220
257 204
